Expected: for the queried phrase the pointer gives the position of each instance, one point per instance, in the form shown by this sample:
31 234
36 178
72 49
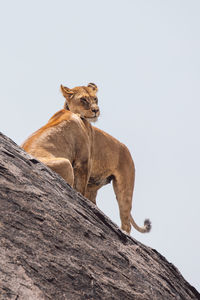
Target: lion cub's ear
93 86
66 91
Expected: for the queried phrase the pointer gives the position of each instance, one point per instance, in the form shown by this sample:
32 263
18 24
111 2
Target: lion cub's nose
95 110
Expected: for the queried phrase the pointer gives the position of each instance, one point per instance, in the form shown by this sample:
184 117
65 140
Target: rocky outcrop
55 244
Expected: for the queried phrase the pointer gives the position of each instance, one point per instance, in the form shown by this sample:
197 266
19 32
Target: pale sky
145 58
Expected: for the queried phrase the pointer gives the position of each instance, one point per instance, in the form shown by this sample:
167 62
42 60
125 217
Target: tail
146 228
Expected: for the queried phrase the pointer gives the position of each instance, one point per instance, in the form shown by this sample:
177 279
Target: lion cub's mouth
93 119
89 119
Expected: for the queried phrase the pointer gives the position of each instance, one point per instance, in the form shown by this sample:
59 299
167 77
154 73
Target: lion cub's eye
84 100
96 99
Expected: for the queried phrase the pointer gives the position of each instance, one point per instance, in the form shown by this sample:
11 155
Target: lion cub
65 143
111 161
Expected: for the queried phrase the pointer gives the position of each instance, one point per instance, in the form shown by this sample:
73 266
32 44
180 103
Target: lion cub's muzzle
96 112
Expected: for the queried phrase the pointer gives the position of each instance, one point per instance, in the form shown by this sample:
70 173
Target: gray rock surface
55 244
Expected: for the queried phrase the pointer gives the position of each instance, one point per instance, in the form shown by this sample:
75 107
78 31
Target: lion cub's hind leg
124 199
62 166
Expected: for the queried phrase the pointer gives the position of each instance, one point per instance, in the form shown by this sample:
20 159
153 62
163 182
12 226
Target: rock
55 244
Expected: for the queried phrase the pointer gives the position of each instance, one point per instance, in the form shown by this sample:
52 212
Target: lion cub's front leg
62 166
77 177
81 176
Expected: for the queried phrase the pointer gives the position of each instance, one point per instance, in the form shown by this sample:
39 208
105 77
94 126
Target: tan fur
112 161
65 143
85 156
83 101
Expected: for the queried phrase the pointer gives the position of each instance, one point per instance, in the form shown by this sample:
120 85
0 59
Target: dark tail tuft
147 225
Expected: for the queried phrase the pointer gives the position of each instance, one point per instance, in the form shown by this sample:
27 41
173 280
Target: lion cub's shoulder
51 126
59 116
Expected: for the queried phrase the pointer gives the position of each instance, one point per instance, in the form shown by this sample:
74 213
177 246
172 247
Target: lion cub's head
82 100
